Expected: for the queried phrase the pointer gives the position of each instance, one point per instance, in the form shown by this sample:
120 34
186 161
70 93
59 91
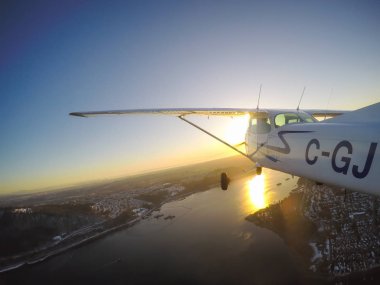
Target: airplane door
259 129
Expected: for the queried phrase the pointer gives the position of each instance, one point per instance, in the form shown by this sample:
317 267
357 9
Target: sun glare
256 187
235 132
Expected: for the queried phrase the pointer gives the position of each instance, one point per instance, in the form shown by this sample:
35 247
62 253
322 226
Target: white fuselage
341 154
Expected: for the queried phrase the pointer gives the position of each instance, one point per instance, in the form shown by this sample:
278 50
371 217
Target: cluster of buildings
111 206
115 204
22 211
348 229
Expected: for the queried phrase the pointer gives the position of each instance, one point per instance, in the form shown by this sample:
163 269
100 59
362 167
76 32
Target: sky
58 57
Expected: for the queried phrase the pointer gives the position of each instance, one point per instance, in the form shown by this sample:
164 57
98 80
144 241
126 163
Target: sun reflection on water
256 188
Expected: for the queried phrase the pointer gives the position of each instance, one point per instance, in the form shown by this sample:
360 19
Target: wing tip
77 114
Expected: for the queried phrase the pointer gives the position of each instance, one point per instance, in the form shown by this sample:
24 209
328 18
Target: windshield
292 118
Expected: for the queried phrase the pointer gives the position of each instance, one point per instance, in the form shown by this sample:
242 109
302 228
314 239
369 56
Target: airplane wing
179 112
325 113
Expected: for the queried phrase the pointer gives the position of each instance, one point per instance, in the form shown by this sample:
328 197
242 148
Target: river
208 242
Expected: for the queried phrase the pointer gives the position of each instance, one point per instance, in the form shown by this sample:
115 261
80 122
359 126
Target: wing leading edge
179 112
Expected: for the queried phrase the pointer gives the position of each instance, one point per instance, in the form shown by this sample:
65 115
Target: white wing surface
325 113
179 112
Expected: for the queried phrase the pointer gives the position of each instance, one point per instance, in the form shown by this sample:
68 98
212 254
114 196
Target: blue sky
62 56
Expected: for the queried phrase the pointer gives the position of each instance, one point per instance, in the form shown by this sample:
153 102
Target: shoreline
290 220
57 251
54 251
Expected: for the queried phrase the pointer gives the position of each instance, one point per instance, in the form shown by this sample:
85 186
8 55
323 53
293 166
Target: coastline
58 248
284 219
53 251
310 220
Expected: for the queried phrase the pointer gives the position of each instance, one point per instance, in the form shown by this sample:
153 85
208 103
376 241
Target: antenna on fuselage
257 121
258 100
299 103
258 166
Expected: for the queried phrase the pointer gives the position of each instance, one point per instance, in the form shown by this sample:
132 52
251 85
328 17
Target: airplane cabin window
279 120
261 125
292 118
306 118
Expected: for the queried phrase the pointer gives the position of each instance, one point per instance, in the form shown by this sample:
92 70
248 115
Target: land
39 225
335 232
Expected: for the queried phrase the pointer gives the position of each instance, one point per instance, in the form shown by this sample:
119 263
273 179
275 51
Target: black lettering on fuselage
342 169
341 157
314 160
368 163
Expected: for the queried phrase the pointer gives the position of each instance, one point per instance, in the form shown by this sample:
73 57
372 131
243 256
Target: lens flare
257 192
235 131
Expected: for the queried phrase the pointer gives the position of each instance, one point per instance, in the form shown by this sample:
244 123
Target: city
335 231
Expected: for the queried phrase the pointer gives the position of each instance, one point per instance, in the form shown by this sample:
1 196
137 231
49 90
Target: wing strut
215 137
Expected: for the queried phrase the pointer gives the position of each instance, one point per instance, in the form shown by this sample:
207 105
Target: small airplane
341 150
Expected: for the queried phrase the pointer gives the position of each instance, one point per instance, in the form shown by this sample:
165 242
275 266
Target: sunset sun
235 131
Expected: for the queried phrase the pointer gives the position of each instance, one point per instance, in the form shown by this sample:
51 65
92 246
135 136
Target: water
208 242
